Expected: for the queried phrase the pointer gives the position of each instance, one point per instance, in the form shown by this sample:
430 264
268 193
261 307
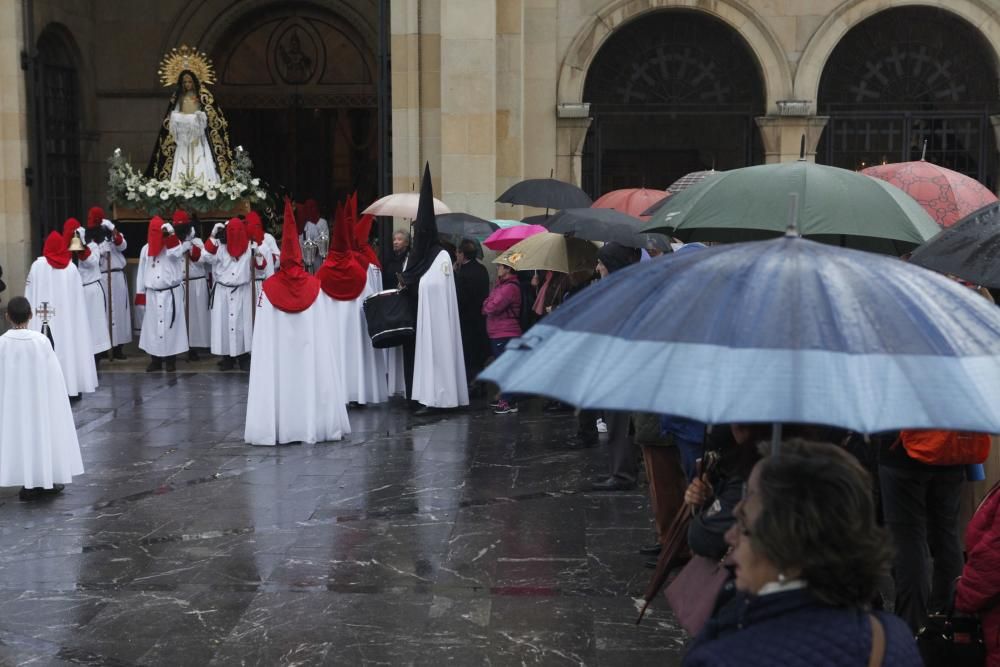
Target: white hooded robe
439 363
38 443
295 389
63 290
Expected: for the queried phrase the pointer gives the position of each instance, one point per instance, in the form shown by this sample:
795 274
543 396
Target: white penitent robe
38 444
160 280
362 366
295 386
263 266
95 294
232 328
312 230
439 364
199 315
121 316
63 290
270 246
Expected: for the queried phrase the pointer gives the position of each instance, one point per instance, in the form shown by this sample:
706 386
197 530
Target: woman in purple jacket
502 309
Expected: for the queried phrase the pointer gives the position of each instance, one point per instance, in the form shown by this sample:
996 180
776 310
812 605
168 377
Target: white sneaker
601 426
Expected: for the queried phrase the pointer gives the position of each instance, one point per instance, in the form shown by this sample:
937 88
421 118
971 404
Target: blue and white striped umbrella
786 330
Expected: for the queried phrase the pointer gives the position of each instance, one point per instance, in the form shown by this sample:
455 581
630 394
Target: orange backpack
946 448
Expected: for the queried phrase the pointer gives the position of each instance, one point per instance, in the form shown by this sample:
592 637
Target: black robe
472 286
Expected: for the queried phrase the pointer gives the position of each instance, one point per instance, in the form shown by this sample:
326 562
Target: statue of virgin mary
193 143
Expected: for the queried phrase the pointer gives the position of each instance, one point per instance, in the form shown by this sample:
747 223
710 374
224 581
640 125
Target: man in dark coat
472 285
393 264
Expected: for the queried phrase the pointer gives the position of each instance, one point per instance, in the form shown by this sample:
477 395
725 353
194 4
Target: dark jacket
472 286
392 265
794 629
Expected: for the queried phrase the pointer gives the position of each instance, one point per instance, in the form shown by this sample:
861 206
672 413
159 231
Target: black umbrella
545 193
969 249
536 219
465 226
598 224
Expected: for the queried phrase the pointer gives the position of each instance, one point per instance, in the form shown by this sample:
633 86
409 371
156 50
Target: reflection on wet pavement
463 539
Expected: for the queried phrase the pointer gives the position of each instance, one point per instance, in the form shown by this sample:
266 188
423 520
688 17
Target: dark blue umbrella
786 330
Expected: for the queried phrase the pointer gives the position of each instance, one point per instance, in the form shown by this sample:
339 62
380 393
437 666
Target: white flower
132 196
255 182
118 152
211 195
187 195
260 194
164 195
150 192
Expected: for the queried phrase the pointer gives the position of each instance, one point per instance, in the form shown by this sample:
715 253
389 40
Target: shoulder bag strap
878 642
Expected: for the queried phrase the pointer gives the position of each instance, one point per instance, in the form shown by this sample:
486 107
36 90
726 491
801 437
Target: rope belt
173 301
211 293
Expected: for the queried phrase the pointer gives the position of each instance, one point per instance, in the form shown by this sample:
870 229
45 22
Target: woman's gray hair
405 234
818 516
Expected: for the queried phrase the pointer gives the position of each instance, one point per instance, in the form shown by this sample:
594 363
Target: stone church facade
335 95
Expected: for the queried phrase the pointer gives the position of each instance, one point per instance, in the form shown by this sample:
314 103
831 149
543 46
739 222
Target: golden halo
186 58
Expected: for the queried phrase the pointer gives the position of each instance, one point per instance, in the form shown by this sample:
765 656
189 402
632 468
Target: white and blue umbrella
787 330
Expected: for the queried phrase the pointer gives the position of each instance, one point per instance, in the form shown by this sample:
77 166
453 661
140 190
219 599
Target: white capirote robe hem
295 392
39 446
439 367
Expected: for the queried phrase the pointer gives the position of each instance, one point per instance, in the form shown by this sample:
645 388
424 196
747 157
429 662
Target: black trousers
409 355
921 511
623 454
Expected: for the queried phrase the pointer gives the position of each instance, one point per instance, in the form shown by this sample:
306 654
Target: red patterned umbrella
630 201
946 195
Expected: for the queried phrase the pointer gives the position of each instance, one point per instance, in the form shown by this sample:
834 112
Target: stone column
782 136
15 223
510 101
468 105
570 135
541 70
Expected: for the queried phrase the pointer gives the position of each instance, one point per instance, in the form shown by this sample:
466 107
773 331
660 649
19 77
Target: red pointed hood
237 240
341 276
311 210
154 236
362 232
56 251
300 218
94 217
255 228
69 229
181 217
291 289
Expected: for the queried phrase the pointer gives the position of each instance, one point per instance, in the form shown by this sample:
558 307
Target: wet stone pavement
465 539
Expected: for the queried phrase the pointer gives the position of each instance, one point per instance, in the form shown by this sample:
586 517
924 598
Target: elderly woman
807 554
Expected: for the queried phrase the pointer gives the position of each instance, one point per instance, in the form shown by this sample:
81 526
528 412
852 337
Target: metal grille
903 77
673 92
57 107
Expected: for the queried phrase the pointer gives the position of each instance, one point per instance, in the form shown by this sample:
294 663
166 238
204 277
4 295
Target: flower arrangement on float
128 188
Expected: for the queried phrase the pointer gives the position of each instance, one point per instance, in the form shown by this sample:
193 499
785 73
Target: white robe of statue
232 327
121 315
160 279
38 443
63 290
295 389
193 157
439 364
95 294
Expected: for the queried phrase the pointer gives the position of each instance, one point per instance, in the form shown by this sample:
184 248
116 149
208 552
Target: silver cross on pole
45 312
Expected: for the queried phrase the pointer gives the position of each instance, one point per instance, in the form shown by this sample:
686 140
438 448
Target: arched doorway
298 86
907 76
671 92
57 133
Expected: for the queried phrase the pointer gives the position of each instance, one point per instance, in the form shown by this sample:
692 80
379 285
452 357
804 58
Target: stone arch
204 23
737 15
61 35
839 22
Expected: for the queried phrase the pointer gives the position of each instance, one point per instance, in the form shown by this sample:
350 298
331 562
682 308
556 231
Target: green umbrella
835 206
